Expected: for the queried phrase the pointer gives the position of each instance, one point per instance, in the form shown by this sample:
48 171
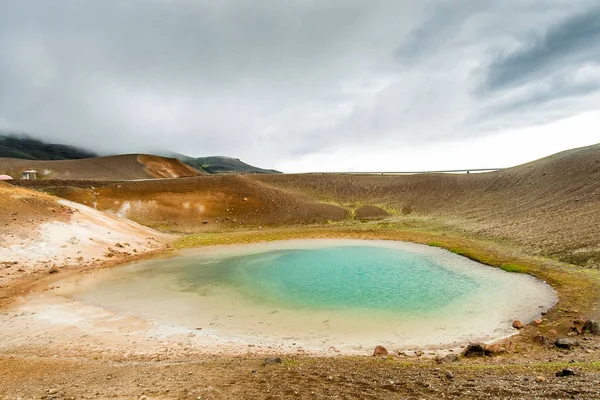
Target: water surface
350 294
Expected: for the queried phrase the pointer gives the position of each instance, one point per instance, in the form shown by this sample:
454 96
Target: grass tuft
521 269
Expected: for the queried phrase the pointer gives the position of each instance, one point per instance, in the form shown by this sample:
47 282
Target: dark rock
566 343
380 351
474 350
272 360
591 327
565 372
447 359
449 375
53 270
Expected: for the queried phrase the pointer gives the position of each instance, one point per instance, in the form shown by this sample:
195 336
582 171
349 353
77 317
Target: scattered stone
449 375
51 391
543 340
272 360
205 221
245 199
517 324
578 325
538 321
591 327
380 351
53 270
565 372
119 245
494 349
553 332
540 379
566 343
474 350
447 359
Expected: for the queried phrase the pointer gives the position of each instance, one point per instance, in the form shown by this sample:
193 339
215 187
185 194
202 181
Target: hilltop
111 168
220 165
19 146
14 146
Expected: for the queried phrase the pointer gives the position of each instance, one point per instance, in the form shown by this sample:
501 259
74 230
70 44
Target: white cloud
499 150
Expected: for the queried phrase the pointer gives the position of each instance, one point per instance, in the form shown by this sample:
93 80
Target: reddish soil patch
122 167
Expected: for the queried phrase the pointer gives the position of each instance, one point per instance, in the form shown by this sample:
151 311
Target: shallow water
350 294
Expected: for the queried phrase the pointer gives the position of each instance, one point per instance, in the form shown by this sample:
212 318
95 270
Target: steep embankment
122 167
550 206
201 203
39 232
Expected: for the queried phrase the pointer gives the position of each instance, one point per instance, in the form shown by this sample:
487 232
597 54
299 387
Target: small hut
5 178
29 174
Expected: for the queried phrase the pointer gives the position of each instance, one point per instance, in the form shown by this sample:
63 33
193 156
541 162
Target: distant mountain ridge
28 148
18 146
221 165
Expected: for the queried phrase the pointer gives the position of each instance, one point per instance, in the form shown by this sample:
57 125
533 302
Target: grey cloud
573 41
267 80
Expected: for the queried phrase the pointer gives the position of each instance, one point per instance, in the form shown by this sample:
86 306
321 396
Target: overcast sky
306 85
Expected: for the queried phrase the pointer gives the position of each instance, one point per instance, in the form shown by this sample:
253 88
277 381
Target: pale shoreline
78 328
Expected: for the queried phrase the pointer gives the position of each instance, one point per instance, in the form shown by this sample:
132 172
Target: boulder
565 372
578 325
494 349
517 324
380 351
474 350
591 327
566 343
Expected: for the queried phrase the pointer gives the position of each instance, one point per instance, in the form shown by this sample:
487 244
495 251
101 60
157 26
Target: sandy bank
76 236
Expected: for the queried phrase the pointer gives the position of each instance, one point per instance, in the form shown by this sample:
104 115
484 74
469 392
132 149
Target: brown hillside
39 232
201 203
550 206
122 167
20 207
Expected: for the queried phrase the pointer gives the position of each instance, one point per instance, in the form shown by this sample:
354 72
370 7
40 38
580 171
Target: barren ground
540 218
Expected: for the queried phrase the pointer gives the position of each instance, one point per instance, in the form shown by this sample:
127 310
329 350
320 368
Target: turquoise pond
319 293
357 277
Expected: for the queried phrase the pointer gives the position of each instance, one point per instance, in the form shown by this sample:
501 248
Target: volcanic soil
540 218
122 167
